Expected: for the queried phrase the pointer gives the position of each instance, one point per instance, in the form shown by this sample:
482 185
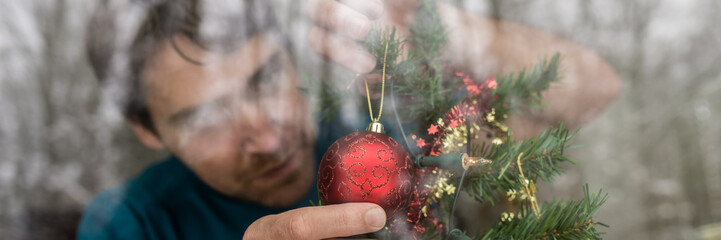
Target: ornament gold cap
376 127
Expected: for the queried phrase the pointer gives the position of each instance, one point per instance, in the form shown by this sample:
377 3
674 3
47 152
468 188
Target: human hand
322 222
338 24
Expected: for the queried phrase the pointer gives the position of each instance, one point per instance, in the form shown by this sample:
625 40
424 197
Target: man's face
237 120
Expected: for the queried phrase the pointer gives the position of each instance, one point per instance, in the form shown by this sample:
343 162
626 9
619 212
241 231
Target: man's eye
262 77
212 117
267 73
256 80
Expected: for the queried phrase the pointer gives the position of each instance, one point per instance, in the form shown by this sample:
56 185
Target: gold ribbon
529 187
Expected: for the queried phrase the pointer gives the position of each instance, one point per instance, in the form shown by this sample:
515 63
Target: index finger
339 220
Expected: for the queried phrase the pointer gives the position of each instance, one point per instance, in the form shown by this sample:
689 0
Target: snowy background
655 150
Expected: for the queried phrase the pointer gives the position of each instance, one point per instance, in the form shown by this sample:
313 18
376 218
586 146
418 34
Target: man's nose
263 141
261 135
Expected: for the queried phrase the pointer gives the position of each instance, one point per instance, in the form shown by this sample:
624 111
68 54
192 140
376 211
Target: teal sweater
168 201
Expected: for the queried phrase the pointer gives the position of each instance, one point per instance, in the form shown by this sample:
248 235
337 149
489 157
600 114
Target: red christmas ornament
367 166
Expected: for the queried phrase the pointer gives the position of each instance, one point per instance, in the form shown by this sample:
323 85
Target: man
213 82
227 107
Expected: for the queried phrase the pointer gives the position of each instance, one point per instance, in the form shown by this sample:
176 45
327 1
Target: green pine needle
524 89
557 220
329 97
542 157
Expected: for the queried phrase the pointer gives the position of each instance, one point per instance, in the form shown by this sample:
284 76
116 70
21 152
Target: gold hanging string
352 81
383 88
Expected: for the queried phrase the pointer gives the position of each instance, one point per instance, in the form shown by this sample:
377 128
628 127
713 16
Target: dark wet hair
123 35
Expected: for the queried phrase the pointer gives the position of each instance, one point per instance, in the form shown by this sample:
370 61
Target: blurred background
655 150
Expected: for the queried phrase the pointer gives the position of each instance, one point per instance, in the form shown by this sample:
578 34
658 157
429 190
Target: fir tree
509 168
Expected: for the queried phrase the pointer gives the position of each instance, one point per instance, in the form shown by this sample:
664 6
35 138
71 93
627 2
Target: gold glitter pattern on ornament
383 155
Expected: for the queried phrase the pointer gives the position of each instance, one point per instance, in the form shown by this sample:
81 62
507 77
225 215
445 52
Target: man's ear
147 137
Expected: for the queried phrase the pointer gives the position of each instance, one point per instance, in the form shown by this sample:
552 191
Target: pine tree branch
328 97
428 33
557 220
542 156
376 42
524 90
420 76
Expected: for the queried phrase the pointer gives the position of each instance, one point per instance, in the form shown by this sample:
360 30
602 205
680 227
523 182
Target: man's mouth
288 164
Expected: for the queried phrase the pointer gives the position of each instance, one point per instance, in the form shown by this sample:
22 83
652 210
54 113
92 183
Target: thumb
320 222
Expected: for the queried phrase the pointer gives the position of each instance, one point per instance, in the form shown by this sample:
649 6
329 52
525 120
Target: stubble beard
292 187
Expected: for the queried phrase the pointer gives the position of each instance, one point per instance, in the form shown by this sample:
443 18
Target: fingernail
375 218
357 26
